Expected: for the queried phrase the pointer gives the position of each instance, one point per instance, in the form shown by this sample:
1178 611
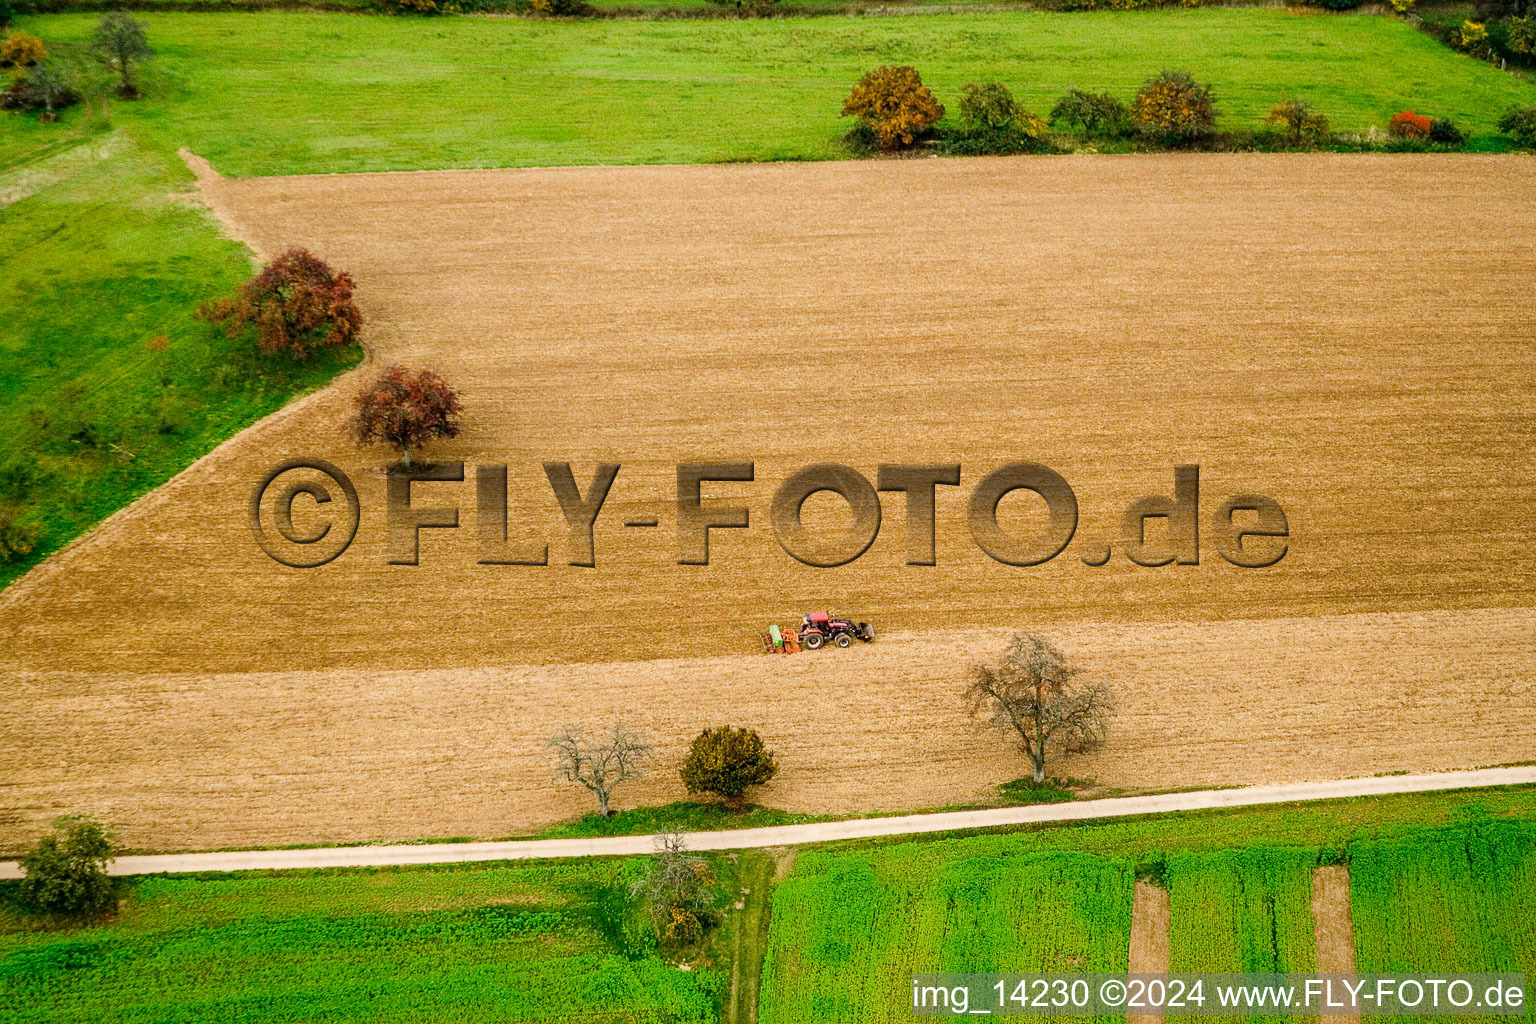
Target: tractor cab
818 628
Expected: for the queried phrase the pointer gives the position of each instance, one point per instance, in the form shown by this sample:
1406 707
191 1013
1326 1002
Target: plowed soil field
1351 336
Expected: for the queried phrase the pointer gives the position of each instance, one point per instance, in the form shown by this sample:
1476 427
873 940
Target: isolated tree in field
679 888
727 762
1303 125
600 765
65 875
1032 690
894 105
296 304
1174 109
120 43
405 409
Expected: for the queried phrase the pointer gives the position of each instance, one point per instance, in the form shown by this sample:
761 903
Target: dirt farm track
1351 336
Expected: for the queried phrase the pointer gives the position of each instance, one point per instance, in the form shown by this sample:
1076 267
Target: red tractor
819 628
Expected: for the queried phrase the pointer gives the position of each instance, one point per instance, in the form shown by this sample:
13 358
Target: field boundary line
814 832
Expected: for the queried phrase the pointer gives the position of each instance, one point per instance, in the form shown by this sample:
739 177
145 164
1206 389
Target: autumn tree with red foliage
297 304
405 409
1405 124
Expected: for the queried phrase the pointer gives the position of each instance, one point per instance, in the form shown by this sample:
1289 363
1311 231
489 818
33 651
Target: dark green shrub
727 761
65 876
7 13
1447 133
1098 115
1339 5
18 538
1175 110
1520 125
991 121
1028 791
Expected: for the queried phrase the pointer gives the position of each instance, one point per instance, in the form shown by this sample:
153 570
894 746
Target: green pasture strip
1327 825
532 942
282 93
1461 900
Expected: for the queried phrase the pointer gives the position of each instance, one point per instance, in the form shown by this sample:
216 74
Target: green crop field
562 940
1242 911
847 935
849 928
520 943
1461 899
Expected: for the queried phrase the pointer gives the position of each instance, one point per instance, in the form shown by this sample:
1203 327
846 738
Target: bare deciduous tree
679 889
1032 690
600 765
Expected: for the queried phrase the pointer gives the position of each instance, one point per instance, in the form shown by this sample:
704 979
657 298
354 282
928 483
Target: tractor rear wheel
812 640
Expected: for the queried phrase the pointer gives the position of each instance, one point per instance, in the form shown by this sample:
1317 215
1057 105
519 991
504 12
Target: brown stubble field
1349 335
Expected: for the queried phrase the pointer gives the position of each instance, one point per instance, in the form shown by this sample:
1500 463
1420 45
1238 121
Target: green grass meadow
503 943
287 93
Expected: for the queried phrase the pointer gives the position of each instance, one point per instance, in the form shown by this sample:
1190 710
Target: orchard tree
1032 690
297 304
65 875
726 762
120 43
42 87
600 765
405 409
